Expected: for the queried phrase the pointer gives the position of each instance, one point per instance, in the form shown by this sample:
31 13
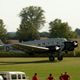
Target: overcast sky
66 10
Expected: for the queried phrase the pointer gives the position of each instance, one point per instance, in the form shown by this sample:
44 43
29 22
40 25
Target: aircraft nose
75 43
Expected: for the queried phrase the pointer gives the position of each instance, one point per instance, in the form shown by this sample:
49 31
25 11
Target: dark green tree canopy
44 34
3 31
32 19
32 15
77 31
60 29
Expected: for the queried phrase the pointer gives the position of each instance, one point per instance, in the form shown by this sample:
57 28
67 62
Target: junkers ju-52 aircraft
51 45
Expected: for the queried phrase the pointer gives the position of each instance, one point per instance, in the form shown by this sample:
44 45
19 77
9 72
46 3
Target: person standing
35 77
50 77
66 76
61 76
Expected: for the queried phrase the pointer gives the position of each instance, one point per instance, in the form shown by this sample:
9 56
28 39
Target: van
1 78
10 75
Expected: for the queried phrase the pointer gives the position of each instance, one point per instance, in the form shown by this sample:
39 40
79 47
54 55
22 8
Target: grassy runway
42 66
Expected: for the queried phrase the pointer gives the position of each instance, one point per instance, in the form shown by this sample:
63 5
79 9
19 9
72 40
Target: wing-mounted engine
70 45
54 48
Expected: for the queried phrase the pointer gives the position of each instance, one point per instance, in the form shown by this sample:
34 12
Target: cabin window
13 76
19 76
23 76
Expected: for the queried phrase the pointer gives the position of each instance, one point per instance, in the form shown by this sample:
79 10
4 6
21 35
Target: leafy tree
11 35
44 34
73 34
60 29
2 30
77 32
32 19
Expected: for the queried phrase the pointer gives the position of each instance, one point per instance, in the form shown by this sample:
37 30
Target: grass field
42 66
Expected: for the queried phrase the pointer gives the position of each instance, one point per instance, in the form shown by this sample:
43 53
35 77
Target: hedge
12 54
17 54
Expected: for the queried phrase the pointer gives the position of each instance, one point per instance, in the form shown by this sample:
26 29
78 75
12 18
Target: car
13 75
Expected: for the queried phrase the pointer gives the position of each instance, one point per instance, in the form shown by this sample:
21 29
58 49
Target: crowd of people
63 76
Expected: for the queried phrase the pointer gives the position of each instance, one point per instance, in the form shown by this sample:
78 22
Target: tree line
32 20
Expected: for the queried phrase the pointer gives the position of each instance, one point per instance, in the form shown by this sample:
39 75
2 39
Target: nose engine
70 45
75 43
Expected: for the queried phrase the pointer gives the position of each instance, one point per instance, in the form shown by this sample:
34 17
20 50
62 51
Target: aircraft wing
30 48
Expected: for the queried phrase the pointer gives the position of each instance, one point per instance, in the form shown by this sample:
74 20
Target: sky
66 10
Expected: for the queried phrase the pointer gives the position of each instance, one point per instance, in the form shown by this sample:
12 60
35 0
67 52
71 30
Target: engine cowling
70 45
54 48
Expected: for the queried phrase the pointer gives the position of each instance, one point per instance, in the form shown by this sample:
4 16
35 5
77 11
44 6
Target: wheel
51 58
60 57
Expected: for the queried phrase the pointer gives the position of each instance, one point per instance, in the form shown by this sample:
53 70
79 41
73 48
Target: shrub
12 54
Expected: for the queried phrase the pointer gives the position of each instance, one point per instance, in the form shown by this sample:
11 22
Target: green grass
42 66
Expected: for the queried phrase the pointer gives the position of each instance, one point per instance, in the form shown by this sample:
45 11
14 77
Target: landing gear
51 57
60 56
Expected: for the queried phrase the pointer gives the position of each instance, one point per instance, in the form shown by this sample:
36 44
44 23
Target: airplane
52 46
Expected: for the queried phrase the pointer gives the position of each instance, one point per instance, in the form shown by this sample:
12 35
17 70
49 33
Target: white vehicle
1 78
8 75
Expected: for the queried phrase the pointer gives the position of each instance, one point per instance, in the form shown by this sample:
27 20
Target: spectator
61 76
35 77
66 76
50 77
